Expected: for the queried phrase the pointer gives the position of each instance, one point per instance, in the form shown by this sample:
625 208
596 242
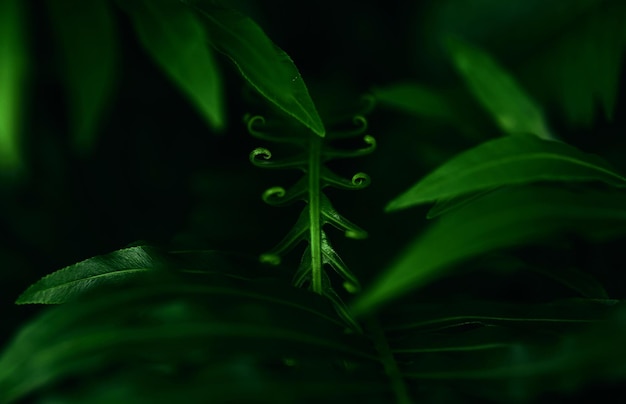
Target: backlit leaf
87 47
13 65
513 110
176 40
507 161
504 218
265 66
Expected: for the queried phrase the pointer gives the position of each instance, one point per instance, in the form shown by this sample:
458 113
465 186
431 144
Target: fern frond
318 211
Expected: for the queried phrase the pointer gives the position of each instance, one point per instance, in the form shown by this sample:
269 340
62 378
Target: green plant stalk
315 229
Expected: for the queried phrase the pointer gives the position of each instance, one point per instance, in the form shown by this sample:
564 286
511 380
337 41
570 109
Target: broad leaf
69 282
504 218
12 69
507 161
87 47
176 40
265 66
513 110
164 328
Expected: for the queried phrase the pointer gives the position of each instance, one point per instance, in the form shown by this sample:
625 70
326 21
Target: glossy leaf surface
69 282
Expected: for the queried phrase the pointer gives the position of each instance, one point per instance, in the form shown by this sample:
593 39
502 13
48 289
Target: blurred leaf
506 161
523 366
86 39
13 65
581 65
416 99
513 110
69 282
265 66
511 352
446 205
436 316
176 40
575 279
167 327
504 218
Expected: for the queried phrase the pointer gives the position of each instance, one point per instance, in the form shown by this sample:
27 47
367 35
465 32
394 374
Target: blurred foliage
124 161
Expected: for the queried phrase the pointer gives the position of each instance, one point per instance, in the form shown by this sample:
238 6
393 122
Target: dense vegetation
482 257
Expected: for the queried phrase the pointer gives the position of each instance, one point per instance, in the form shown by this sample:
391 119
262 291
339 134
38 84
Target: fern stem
315 229
389 362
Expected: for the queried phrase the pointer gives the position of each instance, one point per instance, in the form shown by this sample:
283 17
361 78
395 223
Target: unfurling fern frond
318 212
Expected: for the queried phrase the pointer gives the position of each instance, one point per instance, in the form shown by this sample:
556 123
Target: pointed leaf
513 110
507 161
504 218
87 47
175 39
12 74
265 66
69 282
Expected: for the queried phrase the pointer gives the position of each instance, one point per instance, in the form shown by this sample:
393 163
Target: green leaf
13 64
504 218
265 66
176 40
507 161
165 327
580 67
575 279
69 282
438 316
87 47
513 110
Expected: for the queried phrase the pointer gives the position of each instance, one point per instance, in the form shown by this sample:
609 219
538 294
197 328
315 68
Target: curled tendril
279 196
273 193
261 157
360 126
370 146
361 180
259 153
255 125
358 180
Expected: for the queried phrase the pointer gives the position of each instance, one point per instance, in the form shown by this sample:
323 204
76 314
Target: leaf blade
513 110
510 160
13 62
69 282
265 66
176 41
502 219
89 67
